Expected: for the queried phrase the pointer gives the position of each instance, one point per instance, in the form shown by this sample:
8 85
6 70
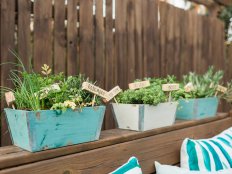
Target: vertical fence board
110 64
59 37
7 43
195 34
72 60
189 35
138 40
150 42
164 9
87 60
24 32
169 46
99 45
217 49
177 42
42 34
205 44
184 65
198 54
131 40
121 43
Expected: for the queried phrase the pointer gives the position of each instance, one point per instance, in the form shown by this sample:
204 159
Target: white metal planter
142 117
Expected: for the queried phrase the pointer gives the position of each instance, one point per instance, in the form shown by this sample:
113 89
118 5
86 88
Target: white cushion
166 169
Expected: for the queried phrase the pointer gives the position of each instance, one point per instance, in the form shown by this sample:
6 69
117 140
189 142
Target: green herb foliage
34 91
151 95
204 85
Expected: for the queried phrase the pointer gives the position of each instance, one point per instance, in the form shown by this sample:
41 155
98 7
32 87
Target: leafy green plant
151 95
228 95
35 91
204 85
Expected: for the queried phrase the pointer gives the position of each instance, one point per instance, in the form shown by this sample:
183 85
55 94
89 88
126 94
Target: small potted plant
51 111
145 107
199 95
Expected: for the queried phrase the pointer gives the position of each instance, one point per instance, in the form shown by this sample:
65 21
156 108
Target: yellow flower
70 104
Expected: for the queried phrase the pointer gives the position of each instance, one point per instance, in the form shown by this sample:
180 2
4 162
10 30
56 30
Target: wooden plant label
113 92
138 85
170 87
221 89
94 89
189 87
10 98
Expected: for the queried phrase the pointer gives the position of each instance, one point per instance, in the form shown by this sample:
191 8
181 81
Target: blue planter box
194 109
48 129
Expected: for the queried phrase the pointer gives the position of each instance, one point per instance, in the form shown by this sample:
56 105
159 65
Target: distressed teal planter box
195 109
48 129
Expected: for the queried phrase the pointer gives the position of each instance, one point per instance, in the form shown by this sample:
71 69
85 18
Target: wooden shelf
113 149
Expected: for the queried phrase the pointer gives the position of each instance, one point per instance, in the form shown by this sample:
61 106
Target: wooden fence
112 44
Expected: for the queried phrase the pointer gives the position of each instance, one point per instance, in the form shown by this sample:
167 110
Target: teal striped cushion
212 154
131 167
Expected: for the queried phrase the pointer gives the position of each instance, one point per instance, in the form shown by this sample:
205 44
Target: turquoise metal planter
48 129
194 109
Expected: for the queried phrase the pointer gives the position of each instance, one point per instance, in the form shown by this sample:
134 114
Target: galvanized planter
48 129
141 117
195 109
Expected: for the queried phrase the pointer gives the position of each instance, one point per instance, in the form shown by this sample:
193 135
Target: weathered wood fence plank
24 32
72 59
87 60
42 34
60 37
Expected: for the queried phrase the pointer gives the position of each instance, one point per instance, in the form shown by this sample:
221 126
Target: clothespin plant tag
138 85
10 99
113 93
221 89
169 88
189 87
94 89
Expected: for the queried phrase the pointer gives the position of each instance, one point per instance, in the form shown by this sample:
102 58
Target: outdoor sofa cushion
131 167
166 169
211 154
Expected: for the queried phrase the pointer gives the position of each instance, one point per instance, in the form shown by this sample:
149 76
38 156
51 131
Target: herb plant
40 91
203 85
151 95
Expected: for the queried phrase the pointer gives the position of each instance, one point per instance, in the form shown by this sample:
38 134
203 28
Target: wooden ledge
11 156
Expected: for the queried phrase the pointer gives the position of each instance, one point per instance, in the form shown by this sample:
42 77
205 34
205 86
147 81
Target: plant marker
189 87
138 85
112 93
93 102
10 98
95 89
221 89
169 88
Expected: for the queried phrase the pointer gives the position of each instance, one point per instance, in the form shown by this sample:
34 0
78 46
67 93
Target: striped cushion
131 167
167 169
212 154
